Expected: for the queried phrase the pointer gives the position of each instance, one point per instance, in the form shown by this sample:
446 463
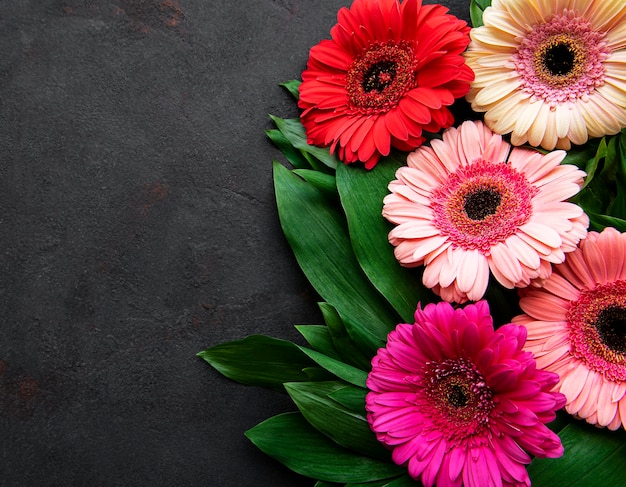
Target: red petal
415 110
410 15
328 53
426 96
381 136
395 125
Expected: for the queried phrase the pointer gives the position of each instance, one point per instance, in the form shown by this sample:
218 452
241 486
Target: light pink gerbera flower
550 73
577 328
469 204
460 403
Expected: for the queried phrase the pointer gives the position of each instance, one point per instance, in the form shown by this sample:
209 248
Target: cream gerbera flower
550 73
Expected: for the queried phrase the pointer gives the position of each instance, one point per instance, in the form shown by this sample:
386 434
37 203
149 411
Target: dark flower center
611 326
460 399
481 203
379 76
457 396
562 59
597 321
559 59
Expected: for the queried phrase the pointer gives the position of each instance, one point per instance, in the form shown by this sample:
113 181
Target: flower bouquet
471 268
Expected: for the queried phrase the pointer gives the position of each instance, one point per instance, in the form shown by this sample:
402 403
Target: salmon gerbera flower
469 204
388 73
550 73
577 328
459 403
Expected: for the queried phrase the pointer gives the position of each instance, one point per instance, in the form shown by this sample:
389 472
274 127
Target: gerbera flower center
598 329
562 59
482 204
611 326
380 76
459 396
559 60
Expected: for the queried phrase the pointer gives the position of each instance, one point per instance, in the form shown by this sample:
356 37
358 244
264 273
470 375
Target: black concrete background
138 227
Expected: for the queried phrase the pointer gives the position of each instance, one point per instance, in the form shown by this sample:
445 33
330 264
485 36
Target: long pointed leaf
293 130
318 337
592 457
343 371
362 194
342 425
317 233
291 440
260 360
346 347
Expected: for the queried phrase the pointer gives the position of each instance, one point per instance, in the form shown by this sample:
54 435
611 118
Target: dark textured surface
138 227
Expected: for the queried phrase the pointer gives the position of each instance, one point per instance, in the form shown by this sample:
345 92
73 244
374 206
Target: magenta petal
452 361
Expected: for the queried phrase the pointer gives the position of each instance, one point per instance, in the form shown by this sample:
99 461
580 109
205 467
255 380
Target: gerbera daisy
550 73
469 204
389 72
577 327
460 403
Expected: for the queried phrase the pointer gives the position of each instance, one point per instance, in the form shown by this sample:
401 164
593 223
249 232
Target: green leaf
322 181
318 337
583 156
477 7
599 222
343 371
316 374
404 481
317 233
351 397
292 86
345 427
294 156
259 360
593 456
291 440
618 205
599 188
593 162
293 130
321 483
362 194
344 345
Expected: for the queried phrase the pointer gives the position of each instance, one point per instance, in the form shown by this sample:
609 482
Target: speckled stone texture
138 227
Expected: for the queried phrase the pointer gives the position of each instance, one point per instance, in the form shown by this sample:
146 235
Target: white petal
497 91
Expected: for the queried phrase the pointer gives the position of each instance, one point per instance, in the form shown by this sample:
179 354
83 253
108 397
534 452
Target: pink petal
606 408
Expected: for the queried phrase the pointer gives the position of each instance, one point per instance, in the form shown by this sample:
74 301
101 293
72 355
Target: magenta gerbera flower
459 403
576 328
470 204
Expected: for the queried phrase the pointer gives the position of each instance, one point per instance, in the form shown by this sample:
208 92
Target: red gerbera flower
388 73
